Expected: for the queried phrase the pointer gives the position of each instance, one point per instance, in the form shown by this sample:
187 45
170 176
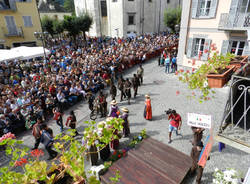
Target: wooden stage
152 162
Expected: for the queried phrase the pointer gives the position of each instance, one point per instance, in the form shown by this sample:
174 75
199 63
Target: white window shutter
206 49
190 47
232 12
194 8
213 8
246 51
225 47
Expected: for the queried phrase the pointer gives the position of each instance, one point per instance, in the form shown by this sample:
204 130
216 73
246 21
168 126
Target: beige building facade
125 17
218 24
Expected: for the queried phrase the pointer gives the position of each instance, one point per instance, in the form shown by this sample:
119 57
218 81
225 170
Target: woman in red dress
148 108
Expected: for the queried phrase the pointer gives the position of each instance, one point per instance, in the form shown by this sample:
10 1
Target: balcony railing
241 21
18 32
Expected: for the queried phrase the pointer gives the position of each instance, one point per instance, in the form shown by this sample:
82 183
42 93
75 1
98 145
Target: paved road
162 89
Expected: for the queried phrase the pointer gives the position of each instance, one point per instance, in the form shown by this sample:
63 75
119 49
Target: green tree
172 17
70 23
84 22
47 25
58 26
69 5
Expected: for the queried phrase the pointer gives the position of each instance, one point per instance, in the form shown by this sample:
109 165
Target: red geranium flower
176 73
36 153
177 92
119 156
21 162
193 62
181 70
187 71
193 69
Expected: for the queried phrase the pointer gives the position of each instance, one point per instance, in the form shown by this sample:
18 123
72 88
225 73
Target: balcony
241 22
14 32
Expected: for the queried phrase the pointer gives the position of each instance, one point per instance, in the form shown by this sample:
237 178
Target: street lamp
42 36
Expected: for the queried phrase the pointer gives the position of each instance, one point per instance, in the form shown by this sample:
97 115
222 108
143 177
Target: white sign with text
199 120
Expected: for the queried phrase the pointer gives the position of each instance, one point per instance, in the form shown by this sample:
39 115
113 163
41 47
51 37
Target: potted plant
214 73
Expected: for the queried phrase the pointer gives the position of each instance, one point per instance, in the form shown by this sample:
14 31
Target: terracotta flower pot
219 80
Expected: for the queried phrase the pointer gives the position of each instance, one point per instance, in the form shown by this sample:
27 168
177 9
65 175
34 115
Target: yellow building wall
22 9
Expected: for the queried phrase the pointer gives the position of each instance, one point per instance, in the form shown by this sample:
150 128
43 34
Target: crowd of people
30 90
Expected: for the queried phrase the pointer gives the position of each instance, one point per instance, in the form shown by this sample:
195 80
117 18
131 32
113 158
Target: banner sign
199 120
247 178
206 151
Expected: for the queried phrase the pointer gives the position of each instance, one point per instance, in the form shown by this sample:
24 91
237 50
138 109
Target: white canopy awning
6 55
30 52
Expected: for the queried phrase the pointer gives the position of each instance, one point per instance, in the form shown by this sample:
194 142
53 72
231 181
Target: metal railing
235 123
18 31
241 21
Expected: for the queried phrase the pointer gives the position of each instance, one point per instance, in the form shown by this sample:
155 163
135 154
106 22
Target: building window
114 1
198 47
150 1
128 32
27 21
131 19
205 7
130 0
104 8
237 47
168 1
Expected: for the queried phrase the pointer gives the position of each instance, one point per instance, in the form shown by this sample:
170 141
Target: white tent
6 55
30 52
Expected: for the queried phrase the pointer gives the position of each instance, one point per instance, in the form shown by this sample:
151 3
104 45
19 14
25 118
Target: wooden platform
151 163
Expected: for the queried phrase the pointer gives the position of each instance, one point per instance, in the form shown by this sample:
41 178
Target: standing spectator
113 91
71 122
103 104
175 124
148 108
91 100
167 64
197 133
128 86
36 132
140 73
124 116
58 118
195 154
47 140
136 84
174 64
121 87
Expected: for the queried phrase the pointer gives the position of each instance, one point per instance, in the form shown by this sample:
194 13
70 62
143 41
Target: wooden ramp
151 163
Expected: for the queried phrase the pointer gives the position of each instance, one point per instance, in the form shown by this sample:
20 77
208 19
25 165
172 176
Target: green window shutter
213 8
225 47
206 49
189 47
246 51
232 12
194 8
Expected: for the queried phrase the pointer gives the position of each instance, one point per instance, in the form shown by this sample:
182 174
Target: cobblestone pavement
162 88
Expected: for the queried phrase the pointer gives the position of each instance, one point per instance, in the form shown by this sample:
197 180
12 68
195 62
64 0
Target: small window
27 21
104 8
150 1
198 47
130 0
128 32
205 7
131 19
237 47
114 1
168 1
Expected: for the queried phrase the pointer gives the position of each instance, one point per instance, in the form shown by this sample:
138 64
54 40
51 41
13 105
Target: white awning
30 52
